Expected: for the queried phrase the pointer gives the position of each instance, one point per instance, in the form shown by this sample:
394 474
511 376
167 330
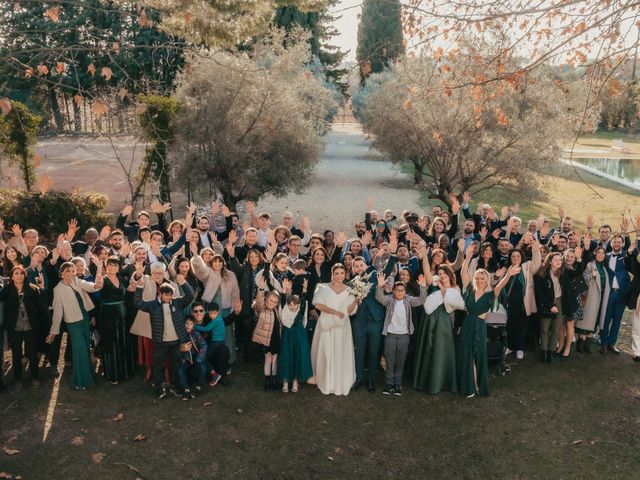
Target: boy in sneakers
397 328
194 361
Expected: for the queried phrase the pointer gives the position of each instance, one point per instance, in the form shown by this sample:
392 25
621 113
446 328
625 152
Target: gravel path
348 173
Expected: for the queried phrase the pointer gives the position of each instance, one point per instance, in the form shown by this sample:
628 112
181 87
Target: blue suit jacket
620 272
371 309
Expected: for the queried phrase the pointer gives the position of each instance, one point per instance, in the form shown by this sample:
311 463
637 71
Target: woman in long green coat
473 365
435 364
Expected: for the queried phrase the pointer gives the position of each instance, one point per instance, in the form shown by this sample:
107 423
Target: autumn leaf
43 70
60 67
119 417
77 99
97 457
437 137
53 13
107 73
37 160
366 68
28 72
501 117
5 475
5 105
99 108
91 69
123 92
307 75
208 404
10 451
139 438
408 104
116 47
77 441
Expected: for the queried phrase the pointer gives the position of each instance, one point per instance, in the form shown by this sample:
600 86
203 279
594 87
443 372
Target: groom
368 321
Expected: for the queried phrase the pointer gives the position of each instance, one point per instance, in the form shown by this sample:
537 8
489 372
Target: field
578 419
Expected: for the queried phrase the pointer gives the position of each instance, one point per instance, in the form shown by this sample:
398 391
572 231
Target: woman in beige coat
595 307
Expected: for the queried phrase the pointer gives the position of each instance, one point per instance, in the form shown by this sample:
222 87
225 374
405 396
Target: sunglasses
381 225
198 310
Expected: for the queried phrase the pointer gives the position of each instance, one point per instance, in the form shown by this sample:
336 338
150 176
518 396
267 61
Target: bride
332 354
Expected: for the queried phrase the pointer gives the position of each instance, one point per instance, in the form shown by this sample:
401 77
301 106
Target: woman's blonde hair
480 271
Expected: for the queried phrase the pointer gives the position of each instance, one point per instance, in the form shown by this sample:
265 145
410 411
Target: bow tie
615 254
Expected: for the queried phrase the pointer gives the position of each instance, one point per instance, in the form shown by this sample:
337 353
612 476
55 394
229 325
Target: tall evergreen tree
320 25
380 40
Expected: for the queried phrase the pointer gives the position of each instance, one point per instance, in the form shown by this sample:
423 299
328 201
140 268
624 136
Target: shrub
50 213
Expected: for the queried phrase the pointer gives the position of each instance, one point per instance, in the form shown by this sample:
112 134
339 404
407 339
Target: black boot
267 379
543 356
550 356
579 345
272 382
586 347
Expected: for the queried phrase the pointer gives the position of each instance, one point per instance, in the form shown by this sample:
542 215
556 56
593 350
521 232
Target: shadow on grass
575 419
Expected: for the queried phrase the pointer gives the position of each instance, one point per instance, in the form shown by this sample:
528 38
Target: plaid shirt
409 301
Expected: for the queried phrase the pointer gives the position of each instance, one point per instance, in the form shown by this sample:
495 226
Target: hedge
50 213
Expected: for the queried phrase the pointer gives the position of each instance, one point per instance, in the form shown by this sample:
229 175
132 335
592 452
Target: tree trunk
55 109
418 171
77 117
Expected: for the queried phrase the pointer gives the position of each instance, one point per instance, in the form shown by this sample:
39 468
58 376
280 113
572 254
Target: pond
624 169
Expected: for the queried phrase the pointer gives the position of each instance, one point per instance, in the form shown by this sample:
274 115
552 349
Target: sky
347 26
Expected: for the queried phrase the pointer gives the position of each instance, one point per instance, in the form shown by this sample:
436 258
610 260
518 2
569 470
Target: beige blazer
65 304
141 325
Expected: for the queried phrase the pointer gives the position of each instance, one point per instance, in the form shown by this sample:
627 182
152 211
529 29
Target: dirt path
348 173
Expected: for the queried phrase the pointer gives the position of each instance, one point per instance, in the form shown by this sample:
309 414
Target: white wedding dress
332 353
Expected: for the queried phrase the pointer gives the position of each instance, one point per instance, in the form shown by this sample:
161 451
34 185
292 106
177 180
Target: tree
320 26
475 137
217 24
158 127
380 39
18 131
251 125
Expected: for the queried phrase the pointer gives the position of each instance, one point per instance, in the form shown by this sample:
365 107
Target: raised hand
286 285
215 208
544 229
455 204
230 248
561 212
500 272
366 238
422 281
504 211
165 207
305 224
233 237
554 239
589 222
514 270
469 252
225 211
495 233
72 228
251 208
104 232
636 224
381 279
578 252
139 269
535 246
461 244
305 284
180 280
624 225
466 197
422 223
126 249
156 206
586 239
1 225
126 211
340 239
483 231
515 208
393 240
40 281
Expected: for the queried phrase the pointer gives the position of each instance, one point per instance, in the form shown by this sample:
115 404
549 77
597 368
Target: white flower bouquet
360 287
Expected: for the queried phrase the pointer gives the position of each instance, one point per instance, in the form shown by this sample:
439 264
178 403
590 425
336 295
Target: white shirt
204 238
612 266
398 323
169 333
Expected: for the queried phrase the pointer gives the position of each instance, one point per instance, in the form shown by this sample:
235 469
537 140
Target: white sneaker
519 354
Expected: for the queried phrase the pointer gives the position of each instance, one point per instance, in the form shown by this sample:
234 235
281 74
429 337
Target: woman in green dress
435 365
115 340
473 365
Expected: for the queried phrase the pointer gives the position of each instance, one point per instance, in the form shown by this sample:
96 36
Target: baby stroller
497 340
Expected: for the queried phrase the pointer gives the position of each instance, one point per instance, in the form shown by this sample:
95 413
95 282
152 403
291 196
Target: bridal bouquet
360 287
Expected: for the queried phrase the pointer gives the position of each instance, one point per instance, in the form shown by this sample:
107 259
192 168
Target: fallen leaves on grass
97 457
10 451
577 442
139 438
239 411
77 441
119 417
5 475
330 459
208 404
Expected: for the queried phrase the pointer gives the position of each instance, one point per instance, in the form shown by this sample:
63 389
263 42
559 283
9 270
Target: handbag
497 316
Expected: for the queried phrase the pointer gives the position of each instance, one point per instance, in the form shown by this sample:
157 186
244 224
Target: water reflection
618 167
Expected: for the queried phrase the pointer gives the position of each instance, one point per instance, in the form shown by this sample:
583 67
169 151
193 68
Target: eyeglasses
198 310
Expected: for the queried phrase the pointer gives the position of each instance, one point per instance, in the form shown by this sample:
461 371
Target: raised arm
464 272
513 270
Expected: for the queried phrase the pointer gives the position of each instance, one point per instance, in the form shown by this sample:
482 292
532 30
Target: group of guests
182 301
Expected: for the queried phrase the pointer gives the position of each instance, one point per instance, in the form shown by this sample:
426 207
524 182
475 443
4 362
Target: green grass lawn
579 419
603 135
